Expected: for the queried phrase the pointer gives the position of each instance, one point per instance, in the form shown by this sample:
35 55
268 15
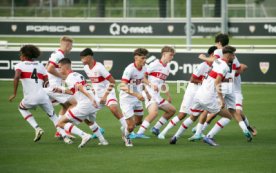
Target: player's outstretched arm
15 84
147 82
109 88
210 59
167 93
242 69
124 87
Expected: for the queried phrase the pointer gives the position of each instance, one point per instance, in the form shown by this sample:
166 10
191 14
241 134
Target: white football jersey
157 72
207 91
98 76
32 77
235 65
55 57
201 71
133 76
76 78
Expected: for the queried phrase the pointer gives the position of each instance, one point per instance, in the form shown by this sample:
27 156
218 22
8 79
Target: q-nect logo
116 29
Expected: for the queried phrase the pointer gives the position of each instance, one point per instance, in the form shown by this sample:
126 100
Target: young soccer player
195 82
209 96
32 75
130 93
103 83
221 41
86 108
56 78
157 73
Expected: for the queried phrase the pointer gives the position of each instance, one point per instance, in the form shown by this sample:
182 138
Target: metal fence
134 8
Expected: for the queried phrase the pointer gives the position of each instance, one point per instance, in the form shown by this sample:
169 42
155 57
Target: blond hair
66 39
167 49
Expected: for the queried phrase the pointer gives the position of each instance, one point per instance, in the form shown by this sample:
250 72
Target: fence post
188 24
224 16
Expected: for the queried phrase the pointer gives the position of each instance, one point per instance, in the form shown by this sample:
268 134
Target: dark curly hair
30 51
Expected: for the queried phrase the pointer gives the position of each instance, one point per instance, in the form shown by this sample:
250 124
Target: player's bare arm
243 68
81 88
125 88
62 90
109 88
147 82
167 93
15 84
210 59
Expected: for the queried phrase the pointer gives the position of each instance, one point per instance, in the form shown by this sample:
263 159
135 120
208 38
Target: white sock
205 125
183 127
61 131
73 129
54 119
243 126
144 126
199 129
218 126
123 122
170 125
160 123
27 115
96 130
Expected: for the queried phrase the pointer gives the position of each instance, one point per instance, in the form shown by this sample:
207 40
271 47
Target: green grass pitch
19 154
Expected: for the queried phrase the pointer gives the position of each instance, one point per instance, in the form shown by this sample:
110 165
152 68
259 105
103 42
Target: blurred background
135 8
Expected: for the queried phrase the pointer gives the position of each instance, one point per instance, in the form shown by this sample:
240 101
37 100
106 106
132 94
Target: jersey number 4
34 75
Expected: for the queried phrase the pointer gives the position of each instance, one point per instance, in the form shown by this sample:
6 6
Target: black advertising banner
124 29
261 67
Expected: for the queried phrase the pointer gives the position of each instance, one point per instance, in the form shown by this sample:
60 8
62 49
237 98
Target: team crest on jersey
264 67
108 64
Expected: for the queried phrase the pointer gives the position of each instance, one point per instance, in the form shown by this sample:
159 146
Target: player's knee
22 108
172 110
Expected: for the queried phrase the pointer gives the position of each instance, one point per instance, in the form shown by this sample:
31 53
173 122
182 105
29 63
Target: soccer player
195 82
209 96
221 41
103 84
86 108
32 75
157 73
56 78
130 93
239 102
239 108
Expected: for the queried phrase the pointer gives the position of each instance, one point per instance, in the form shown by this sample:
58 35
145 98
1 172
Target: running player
157 73
209 96
130 93
56 78
195 82
86 108
103 84
32 75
